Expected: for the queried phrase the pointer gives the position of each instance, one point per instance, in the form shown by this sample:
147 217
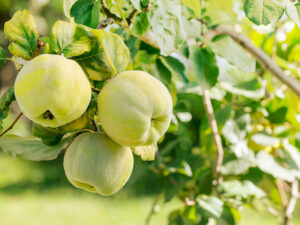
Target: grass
70 209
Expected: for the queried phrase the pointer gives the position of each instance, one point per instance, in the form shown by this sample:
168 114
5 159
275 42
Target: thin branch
258 54
283 197
96 90
292 203
12 125
216 136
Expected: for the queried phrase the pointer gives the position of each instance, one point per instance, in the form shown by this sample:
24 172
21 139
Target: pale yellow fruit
52 90
135 108
95 163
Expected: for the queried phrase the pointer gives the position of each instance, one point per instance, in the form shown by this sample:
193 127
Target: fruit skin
135 108
95 163
55 84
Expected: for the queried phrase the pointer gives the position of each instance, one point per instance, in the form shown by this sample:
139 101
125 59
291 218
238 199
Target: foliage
257 116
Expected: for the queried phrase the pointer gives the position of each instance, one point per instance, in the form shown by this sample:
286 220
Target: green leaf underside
293 11
5 101
22 33
31 148
263 12
69 39
108 56
49 136
224 46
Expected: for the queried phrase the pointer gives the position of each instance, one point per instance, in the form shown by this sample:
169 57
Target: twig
292 203
96 90
280 187
216 136
258 54
12 125
130 17
95 125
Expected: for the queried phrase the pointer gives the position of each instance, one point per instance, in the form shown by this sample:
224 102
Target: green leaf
175 66
2 57
108 57
5 101
236 167
225 47
86 12
194 5
31 148
136 4
67 7
22 33
49 136
293 152
267 164
141 24
293 11
243 189
211 204
69 39
206 69
263 11
147 153
167 26
238 82
164 73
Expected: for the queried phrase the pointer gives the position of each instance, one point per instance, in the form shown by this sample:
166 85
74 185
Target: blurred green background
38 193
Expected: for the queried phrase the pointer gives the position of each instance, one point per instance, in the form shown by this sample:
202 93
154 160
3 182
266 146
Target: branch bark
292 203
216 136
12 125
258 54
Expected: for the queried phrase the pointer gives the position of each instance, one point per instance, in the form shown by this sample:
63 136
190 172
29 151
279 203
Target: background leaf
2 57
167 26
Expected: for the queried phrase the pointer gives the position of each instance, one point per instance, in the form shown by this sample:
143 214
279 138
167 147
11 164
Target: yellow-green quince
95 163
52 90
135 108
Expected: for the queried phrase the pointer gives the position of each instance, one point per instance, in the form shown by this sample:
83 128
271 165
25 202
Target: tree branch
216 136
12 125
292 203
258 54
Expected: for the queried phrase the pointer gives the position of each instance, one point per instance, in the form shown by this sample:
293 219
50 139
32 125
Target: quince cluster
134 109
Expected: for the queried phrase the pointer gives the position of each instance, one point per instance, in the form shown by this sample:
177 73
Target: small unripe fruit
135 108
95 163
52 90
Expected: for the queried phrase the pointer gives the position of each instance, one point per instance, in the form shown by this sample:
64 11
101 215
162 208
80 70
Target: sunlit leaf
22 33
167 26
225 47
147 153
243 189
141 24
69 39
263 11
194 5
108 56
293 11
